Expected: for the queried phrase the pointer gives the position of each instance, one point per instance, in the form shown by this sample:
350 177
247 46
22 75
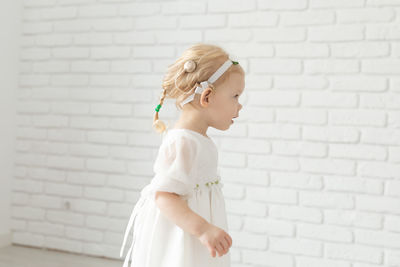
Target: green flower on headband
235 62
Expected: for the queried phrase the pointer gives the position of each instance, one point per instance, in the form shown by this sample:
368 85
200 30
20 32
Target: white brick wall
315 178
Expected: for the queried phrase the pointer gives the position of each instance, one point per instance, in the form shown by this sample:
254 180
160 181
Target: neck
192 119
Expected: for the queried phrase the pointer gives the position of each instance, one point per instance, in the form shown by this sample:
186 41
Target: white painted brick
246 207
382 32
20 198
183 36
390 171
65 217
261 257
313 17
46 174
357 151
277 35
26 238
380 136
29 186
66 135
75 2
51 66
88 150
296 246
54 40
110 52
394 154
110 80
295 180
153 52
335 3
383 66
270 227
103 193
63 189
282 4
274 98
335 66
271 195
74 163
71 108
233 159
227 6
18 225
257 19
135 38
250 241
364 15
377 204
89 123
392 223
299 148
358 83
353 218
93 38
302 50
326 199
72 26
273 163
383 2
300 82
71 52
284 131
120 210
330 134
141 9
276 66
63 244
46 228
112 24
86 178
233 191
38 3
97 11
31 133
44 201
305 116
393 257
359 50
69 80
35 54
105 165
58 13
234 35
327 99
336 33
198 21
353 252
36 107
357 117
39 27
130 66
173 8
26 212
90 66
297 213
385 101
328 166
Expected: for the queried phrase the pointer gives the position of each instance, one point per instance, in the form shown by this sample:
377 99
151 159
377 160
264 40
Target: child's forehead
234 83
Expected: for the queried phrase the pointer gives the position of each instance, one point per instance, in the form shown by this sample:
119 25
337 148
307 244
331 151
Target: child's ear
205 97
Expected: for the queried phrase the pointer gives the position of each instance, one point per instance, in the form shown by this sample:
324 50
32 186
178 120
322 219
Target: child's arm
177 210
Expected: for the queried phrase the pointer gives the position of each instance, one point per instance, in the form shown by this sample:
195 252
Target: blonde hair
179 84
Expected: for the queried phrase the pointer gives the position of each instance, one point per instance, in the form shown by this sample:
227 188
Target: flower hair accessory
204 85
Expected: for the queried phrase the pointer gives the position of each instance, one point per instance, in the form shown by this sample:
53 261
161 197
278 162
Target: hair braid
158 125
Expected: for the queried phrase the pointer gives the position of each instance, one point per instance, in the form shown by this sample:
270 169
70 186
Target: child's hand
215 239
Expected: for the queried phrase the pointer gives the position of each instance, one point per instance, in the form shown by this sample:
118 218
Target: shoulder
177 137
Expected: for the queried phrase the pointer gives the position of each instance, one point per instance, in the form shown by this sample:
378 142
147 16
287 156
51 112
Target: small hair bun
189 66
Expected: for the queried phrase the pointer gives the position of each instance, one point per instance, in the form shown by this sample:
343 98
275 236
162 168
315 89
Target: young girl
180 218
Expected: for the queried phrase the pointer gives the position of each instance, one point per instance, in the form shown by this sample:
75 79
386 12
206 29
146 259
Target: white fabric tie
212 79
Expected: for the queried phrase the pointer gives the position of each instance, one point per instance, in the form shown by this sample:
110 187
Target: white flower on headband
189 66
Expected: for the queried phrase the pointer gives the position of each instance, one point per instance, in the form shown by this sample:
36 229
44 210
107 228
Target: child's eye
236 95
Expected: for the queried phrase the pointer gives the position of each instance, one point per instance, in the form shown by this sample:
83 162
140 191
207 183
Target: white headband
212 79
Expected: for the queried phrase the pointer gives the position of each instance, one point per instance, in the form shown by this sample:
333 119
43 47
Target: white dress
186 164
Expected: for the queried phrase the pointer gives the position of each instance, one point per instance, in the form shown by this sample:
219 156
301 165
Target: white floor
21 256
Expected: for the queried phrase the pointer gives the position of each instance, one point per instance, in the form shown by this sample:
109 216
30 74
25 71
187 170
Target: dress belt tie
130 225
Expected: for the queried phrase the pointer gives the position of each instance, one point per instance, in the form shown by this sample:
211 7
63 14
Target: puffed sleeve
174 166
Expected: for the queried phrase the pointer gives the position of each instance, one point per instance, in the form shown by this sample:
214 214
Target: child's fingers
228 240
220 249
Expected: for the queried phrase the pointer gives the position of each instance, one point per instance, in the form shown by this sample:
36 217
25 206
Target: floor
21 256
